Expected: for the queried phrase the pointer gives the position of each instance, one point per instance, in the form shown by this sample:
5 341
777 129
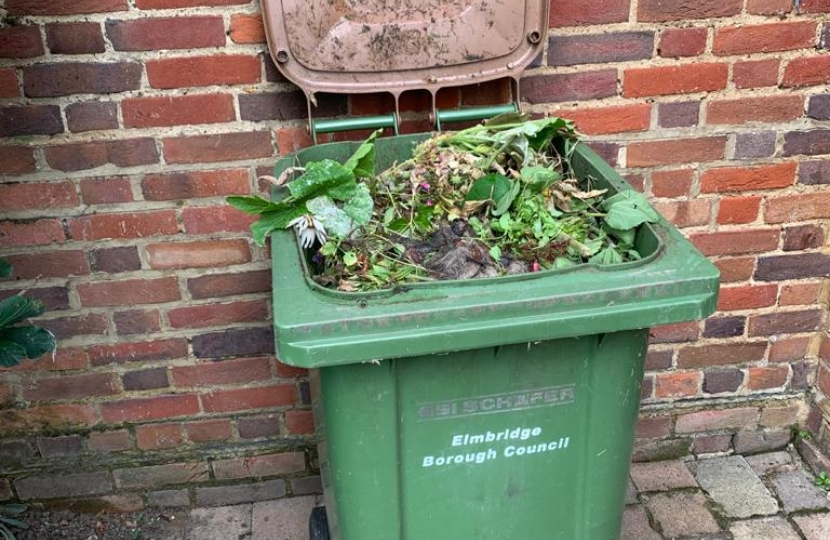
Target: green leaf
423 218
546 130
505 119
503 204
624 237
628 209
362 162
11 354
319 177
489 188
539 177
272 221
495 252
253 204
5 269
337 222
360 206
563 262
13 509
35 341
607 256
18 308
15 523
349 258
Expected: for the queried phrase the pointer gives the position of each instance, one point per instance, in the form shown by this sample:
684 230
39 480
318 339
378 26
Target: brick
156 34
754 144
37 196
216 219
571 50
675 385
158 436
824 39
106 190
291 105
710 444
153 408
195 71
679 114
307 485
761 441
20 42
127 292
17 159
803 237
241 494
812 142
169 498
774 37
675 151
51 447
237 342
300 422
222 147
662 476
658 360
680 42
736 242
800 294
813 173
91 116
739 418
71 386
155 476
666 80
115 260
202 316
738 210
798 207
678 10
243 370
796 266
606 120
573 13
773 109
580 86
647 390
66 78
194 184
789 349
244 399
608 151
125 225
718 355
89 155
201 254
747 297
253 427
137 321
75 38
672 183
145 112
767 377
780 416
229 284
31 233
813 6
80 325
30 120
145 379
160 349
810 71
63 485
9 85
686 213
110 441
48 418
209 430
674 333
755 73
723 380
728 179
769 7
653 427
54 298
723 327
15 451
259 466
292 139
790 322
247 28
660 450
47 7
819 106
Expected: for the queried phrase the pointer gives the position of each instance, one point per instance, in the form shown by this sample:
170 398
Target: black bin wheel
318 524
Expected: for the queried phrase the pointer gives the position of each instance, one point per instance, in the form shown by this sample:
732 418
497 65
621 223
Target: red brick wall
124 123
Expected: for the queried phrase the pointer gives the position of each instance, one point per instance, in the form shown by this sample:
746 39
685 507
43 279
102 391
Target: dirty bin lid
355 46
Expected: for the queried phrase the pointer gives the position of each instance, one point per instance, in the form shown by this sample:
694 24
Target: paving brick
682 514
68 445
225 522
732 484
815 527
813 456
797 492
662 476
661 450
285 519
63 485
307 485
258 466
764 464
154 476
753 442
245 493
635 525
775 528
169 498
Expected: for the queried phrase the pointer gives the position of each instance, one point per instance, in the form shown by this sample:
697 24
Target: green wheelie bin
488 409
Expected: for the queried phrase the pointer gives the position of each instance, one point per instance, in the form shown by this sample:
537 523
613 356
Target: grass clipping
494 199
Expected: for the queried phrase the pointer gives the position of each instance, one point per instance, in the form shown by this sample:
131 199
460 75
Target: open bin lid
358 46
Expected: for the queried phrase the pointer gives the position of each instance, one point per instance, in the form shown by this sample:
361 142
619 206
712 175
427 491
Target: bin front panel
507 442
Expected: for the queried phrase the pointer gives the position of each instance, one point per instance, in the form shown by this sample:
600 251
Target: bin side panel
505 442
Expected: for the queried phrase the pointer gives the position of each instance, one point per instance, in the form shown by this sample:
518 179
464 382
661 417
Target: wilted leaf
336 222
359 207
